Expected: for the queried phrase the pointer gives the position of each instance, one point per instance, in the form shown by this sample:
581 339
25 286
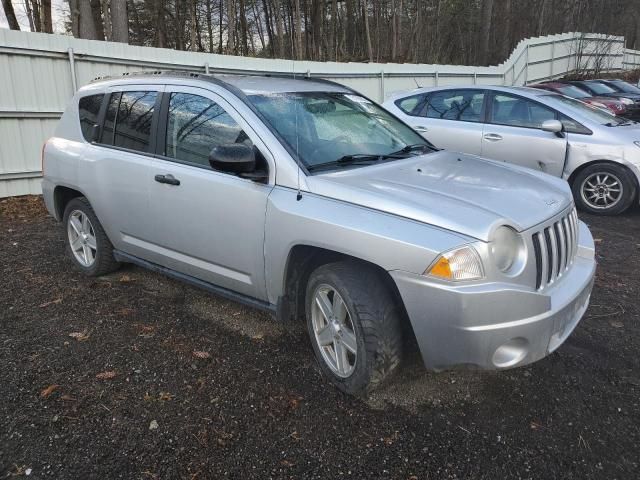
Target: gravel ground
135 375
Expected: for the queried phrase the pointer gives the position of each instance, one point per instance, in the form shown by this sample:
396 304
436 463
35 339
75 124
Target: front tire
354 325
604 189
87 243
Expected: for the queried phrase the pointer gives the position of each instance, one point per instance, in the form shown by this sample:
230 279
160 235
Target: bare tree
119 21
10 13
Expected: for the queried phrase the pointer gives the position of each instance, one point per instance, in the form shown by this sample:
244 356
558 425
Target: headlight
459 264
506 248
626 101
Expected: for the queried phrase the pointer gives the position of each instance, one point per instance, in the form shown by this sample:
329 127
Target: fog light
511 353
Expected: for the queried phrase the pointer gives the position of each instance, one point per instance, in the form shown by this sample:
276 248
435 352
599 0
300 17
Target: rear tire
371 326
87 243
604 189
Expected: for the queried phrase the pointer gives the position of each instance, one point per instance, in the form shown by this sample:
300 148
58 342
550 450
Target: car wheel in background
354 325
87 242
604 189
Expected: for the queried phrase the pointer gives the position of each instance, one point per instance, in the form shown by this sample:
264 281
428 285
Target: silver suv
306 199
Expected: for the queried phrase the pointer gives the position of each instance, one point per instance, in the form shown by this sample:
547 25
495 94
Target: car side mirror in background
552 126
95 132
237 159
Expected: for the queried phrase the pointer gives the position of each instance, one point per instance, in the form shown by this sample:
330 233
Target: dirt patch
137 376
26 208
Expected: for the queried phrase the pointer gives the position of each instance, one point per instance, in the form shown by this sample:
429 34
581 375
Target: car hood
463 193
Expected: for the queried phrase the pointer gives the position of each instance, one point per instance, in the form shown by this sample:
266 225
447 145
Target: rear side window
411 105
88 109
196 125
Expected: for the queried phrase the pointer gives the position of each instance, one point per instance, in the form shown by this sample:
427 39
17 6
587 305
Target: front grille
555 247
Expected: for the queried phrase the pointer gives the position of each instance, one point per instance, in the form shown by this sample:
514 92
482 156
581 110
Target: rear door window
461 105
88 110
133 120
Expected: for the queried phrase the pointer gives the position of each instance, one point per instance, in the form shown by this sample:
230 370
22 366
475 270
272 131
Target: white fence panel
40 72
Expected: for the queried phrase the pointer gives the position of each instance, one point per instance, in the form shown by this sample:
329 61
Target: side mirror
95 132
552 126
237 159
233 158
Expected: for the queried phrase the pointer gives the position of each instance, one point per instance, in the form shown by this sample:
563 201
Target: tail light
44 145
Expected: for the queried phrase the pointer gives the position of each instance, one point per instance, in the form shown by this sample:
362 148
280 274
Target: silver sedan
596 152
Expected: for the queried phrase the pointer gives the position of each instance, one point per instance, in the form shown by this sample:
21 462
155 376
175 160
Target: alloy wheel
334 331
601 190
82 238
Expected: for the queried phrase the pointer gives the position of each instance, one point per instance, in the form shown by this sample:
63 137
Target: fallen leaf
48 391
287 463
616 324
147 397
202 355
68 398
125 311
164 396
52 302
126 278
153 425
108 375
80 336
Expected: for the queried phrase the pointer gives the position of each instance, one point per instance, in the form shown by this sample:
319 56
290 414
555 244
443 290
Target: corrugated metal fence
40 72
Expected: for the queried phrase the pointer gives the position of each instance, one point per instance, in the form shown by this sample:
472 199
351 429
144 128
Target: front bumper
496 325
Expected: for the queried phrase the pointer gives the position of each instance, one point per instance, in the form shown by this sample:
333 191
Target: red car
610 104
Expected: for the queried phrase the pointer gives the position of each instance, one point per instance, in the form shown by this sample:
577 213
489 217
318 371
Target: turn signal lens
460 264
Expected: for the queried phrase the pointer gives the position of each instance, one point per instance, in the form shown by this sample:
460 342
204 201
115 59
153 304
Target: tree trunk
210 25
47 23
244 48
220 15
231 27
96 11
82 24
367 33
106 15
119 21
194 26
267 21
485 31
10 13
37 18
298 30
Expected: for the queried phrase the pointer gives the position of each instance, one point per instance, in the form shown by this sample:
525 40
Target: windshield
625 87
334 128
573 91
592 113
600 88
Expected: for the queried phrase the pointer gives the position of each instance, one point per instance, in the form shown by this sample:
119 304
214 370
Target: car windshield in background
600 88
337 129
573 91
592 113
626 87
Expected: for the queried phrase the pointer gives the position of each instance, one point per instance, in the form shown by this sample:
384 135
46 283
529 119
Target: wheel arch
303 259
62 195
582 167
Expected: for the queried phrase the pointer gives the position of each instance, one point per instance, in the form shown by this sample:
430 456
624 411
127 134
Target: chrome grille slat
556 245
562 261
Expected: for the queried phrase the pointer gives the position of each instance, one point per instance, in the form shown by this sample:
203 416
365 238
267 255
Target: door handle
421 129
493 137
168 179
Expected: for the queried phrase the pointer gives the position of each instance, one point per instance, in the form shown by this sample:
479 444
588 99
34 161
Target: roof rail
146 73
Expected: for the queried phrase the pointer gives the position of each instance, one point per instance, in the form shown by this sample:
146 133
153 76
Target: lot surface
137 376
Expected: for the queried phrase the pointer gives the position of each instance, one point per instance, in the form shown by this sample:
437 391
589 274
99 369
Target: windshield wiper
412 148
621 124
355 159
